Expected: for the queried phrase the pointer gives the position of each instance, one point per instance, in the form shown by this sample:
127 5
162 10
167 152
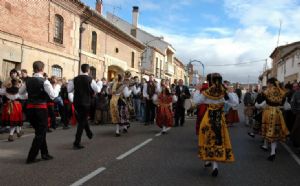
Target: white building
158 56
288 69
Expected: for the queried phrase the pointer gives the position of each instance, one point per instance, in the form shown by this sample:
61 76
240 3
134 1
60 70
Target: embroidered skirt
273 124
214 141
114 110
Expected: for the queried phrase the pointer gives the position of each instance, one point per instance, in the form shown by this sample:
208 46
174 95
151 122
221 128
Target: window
93 72
132 59
56 71
157 67
94 42
117 50
293 61
59 29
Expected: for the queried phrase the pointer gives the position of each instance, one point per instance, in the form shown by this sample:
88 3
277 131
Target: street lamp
191 61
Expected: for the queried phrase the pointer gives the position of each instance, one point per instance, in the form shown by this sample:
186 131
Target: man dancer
38 90
182 93
150 88
84 88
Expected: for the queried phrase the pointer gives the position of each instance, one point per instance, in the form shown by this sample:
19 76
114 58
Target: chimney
135 16
99 6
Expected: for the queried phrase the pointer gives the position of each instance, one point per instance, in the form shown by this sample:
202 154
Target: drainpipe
81 30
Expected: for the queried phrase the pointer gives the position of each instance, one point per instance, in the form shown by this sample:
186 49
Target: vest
35 90
82 90
150 89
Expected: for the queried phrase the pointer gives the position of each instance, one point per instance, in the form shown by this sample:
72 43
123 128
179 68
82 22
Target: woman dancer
118 107
214 141
164 114
273 125
12 108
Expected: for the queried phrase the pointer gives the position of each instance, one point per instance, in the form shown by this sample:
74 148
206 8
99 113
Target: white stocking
265 144
215 165
19 129
273 148
117 128
12 130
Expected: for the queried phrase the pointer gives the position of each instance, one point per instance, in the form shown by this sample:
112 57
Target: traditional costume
164 114
119 105
201 109
232 116
12 114
214 141
38 89
67 108
84 87
150 91
273 125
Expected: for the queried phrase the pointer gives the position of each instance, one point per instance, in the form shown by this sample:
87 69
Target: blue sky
217 31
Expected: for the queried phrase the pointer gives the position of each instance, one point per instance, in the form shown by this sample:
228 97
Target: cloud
146 5
255 38
218 30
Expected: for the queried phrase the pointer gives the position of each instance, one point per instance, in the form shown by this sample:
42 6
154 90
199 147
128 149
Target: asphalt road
152 160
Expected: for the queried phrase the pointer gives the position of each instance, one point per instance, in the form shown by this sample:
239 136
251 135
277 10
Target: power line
236 64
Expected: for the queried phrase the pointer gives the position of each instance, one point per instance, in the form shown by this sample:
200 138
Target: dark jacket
295 102
83 91
182 95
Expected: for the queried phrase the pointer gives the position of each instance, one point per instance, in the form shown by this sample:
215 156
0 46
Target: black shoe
251 134
78 147
271 157
66 127
32 161
215 173
47 157
207 165
118 134
49 130
125 130
90 135
175 126
164 132
264 148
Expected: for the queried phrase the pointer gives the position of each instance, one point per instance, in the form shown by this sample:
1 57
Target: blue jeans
142 112
137 108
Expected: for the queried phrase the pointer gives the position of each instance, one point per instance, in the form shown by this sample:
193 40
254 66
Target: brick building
51 31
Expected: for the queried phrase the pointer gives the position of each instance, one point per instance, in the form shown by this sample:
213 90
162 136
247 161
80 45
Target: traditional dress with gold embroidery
273 124
117 89
214 141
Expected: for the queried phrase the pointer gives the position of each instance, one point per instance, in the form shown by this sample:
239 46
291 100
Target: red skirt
12 114
232 116
164 116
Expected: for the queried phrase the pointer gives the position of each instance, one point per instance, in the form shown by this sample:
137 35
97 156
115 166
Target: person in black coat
182 92
84 87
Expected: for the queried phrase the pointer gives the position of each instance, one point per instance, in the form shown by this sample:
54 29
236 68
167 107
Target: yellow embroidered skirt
114 111
214 141
273 124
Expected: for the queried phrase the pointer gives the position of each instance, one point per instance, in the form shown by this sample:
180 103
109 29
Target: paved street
161 160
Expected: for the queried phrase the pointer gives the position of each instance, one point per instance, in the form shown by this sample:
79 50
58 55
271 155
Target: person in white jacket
232 116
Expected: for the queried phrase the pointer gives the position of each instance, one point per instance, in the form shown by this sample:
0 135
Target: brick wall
34 22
